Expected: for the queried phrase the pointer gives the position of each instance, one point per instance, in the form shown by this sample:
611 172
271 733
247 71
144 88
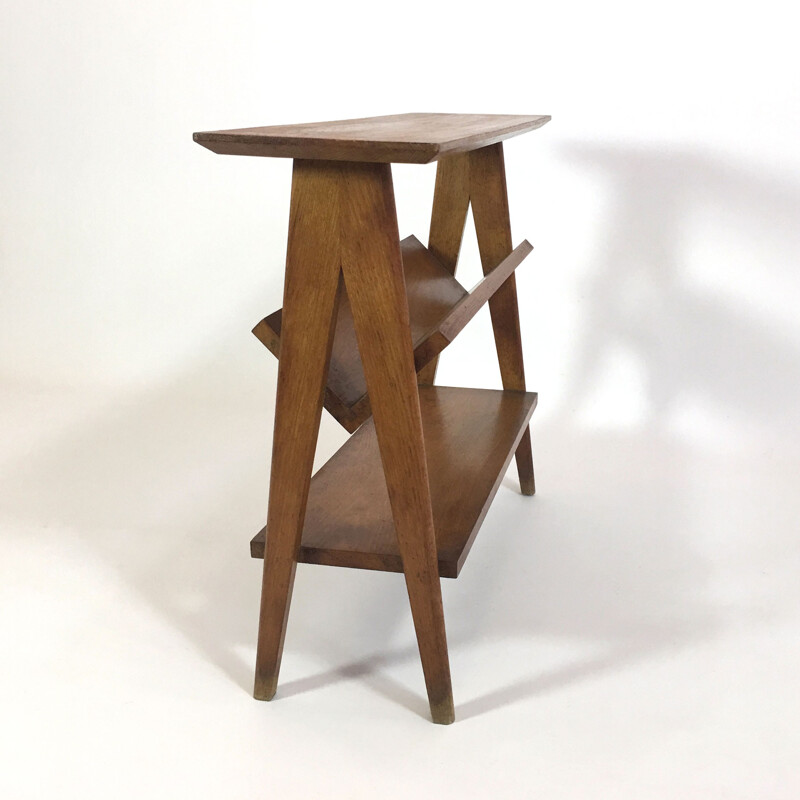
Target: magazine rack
364 319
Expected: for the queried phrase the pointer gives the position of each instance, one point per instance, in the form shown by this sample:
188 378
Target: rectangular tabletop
399 138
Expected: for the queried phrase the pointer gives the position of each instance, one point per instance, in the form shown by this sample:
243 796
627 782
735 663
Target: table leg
311 292
373 275
489 198
448 217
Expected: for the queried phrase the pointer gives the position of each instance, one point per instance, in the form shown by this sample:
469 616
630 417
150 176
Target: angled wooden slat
446 331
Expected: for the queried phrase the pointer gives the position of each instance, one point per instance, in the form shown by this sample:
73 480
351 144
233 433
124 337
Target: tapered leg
448 217
373 275
489 198
309 311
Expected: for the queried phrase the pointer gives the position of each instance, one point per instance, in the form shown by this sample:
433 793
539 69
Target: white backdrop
636 637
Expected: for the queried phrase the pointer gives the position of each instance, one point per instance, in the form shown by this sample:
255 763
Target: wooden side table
364 319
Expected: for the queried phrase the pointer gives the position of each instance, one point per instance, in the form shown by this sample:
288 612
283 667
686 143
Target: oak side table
364 319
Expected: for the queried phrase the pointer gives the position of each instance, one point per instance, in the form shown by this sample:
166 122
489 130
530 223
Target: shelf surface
402 138
470 436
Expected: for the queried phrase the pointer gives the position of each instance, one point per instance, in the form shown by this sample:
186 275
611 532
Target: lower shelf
470 436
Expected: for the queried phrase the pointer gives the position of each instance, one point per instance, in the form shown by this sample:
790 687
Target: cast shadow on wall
692 339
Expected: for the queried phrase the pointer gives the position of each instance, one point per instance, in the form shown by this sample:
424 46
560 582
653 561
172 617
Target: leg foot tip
443 713
264 691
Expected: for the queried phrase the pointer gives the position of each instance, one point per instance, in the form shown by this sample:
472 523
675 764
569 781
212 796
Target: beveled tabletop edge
463 145
251 142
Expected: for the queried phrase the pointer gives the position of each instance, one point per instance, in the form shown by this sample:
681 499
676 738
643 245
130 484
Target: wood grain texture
446 331
439 309
470 437
448 218
432 294
489 199
310 296
411 138
373 274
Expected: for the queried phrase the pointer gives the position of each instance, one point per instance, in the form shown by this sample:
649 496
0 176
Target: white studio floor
633 631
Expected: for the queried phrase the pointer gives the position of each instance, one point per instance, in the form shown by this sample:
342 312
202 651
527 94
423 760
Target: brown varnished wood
363 315
470 437
439 308
412 138
373 274
446 331
449 212
432 294
489 199
448 218
345 386
339 382
310 296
